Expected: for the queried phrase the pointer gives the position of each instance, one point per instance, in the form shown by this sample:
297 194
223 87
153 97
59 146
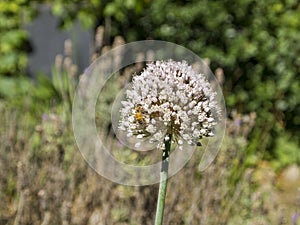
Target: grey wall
47 40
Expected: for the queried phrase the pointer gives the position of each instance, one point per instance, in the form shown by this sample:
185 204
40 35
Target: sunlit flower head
169 97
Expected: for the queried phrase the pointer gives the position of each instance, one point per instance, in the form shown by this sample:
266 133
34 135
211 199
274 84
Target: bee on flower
139 115
169 98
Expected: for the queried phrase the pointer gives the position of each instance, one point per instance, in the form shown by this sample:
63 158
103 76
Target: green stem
163 182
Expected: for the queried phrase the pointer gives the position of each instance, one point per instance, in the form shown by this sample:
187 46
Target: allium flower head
169 97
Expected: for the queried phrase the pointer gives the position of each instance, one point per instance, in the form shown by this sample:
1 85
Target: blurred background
251 46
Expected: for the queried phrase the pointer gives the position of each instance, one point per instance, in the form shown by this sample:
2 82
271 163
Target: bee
139 115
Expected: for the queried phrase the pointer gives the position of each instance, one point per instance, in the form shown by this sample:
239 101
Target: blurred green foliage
286 151
13 38
15 14
91 12
26 95
255 42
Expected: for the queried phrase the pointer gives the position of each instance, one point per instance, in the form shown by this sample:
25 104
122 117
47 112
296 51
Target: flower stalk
163 181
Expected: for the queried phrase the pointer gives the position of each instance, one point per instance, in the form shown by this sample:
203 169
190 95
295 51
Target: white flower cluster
169 97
